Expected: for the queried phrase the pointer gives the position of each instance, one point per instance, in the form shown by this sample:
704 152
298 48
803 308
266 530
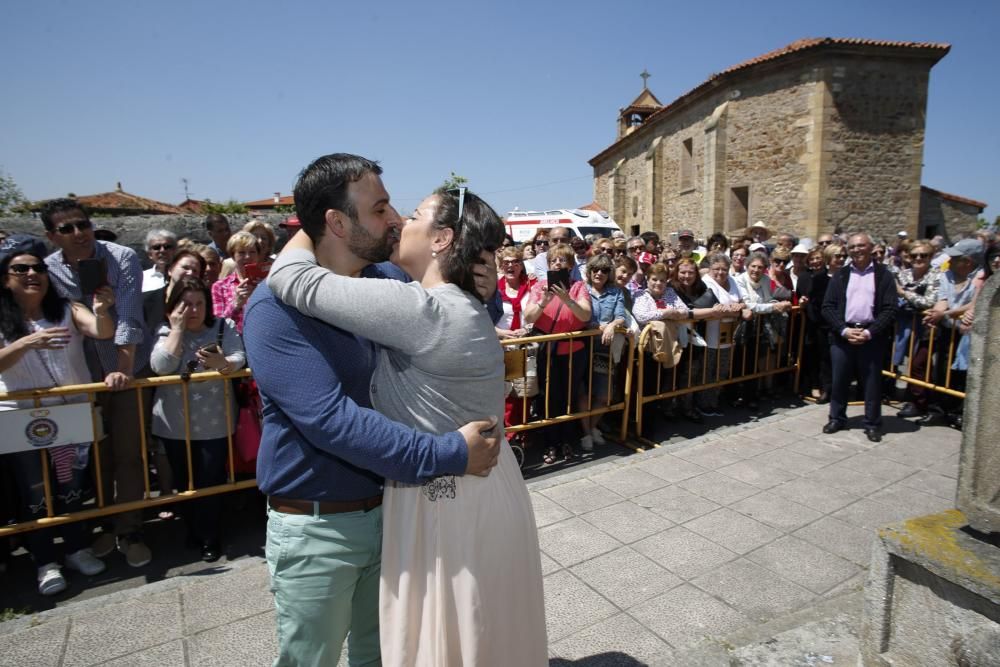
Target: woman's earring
434 253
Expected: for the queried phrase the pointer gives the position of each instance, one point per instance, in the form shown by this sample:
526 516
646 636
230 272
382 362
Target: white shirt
152 280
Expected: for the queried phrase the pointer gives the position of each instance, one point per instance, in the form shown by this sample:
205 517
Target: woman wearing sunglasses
917 288
42 346
454 547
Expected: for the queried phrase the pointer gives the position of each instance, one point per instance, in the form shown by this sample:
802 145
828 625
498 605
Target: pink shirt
224 300
860 304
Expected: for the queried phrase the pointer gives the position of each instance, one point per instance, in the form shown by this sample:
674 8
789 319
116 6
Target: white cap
902 234
754 247
800 250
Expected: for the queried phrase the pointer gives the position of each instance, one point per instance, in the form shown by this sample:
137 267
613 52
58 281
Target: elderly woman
41 346
738 258
264 233
724 297
755 290
779 275
194 340
607 314
512 286
603 246
810 289
231 293
917 288
556 309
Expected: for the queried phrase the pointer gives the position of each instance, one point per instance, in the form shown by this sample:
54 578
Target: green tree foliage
453 181
12 200
231 207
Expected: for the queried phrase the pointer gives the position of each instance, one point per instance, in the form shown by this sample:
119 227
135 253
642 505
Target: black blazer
835 301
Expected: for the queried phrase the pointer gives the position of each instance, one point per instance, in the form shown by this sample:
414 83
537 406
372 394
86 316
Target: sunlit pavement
746 541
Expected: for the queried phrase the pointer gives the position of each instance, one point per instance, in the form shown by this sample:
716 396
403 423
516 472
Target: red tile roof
932 50
192 205
592 206
124 203
981 205
287 200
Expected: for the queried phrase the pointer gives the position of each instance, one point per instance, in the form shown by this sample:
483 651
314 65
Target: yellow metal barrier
102 507
933 356
589 338
786 358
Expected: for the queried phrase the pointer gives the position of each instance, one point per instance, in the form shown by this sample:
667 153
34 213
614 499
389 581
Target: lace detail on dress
440 487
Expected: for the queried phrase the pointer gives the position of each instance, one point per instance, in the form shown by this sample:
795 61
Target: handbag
522 370
246 439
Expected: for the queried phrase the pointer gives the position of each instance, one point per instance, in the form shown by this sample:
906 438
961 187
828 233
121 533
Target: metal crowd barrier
752 364
517 365
102 507
932 354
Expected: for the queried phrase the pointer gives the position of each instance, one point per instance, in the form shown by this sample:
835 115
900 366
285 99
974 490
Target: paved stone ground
748 545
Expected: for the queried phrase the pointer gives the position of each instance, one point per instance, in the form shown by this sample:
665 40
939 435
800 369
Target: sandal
568 452
550 456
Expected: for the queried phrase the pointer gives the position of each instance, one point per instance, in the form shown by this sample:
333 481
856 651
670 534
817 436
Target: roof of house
955 198
932 50
287 200
192 205
592 206
121 202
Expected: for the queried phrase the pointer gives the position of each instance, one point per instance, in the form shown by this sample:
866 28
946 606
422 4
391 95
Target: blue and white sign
50 426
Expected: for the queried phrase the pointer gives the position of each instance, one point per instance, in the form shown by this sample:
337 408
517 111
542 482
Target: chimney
119 186
277 197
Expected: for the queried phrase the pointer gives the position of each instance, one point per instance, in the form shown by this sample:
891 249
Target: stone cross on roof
645 76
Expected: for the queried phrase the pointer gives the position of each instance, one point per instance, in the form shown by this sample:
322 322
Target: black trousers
865 363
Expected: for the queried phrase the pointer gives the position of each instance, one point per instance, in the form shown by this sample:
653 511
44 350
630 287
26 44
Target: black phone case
92 275
560 277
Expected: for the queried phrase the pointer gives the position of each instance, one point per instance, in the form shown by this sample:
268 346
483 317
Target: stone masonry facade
818 136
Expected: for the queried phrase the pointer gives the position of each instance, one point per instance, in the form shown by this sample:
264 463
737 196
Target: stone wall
132 230
951 219
875 144
819 143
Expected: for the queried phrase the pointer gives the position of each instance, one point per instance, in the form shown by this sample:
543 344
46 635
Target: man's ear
443 239
336 222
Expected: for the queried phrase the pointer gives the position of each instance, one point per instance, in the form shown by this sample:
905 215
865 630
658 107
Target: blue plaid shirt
124 274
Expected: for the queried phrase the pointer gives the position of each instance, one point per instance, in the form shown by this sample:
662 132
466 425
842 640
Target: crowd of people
706 290
87 311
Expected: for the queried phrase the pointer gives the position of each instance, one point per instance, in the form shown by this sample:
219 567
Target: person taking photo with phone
79 266
231 293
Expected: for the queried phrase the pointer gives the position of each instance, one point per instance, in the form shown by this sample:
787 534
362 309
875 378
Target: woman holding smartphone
195 340
231 293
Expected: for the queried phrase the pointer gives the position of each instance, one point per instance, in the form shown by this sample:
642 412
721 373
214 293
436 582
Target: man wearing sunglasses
161 246
120 359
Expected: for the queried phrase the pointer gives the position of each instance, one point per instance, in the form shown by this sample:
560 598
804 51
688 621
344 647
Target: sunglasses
841 256
559 239
606 251
162 246
636 248
919 255
604 271
541 242
22 269
460 193
80 226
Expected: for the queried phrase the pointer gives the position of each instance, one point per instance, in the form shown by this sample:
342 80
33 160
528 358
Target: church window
687 164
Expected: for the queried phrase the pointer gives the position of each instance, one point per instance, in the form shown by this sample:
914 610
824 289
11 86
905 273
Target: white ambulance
521 225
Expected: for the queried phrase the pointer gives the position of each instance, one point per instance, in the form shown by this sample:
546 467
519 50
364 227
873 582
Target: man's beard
365 245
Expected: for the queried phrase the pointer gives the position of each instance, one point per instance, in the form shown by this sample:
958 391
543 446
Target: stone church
820 135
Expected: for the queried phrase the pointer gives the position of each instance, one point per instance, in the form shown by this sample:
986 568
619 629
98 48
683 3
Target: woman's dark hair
627 262
479 229
12 322
190 285
718 237
600 261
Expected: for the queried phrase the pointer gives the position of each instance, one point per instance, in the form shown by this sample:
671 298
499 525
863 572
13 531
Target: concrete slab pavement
726 547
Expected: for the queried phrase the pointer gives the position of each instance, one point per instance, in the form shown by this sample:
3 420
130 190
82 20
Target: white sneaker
84 562
587 443
50 579
597 436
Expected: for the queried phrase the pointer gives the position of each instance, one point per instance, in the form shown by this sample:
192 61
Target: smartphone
560 277
211 348
257 271
93 275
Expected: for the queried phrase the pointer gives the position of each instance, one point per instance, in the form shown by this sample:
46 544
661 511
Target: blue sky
238 96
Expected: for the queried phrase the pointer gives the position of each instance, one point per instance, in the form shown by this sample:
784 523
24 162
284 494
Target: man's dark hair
212 218
479 229
323 185
61 205
650 236
190 285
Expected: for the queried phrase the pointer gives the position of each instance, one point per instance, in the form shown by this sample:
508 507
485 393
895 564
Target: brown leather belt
290 506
